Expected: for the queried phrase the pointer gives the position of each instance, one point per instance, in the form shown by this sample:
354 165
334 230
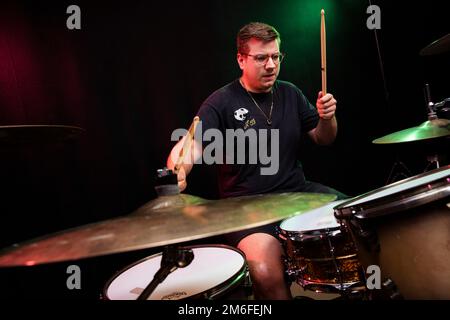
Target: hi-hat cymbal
427 130
436 47
163 221
35 134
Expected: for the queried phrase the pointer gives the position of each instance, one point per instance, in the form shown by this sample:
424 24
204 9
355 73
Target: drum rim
402 200
310 232
209 293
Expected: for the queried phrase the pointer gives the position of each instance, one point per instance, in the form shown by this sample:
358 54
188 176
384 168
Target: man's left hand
326 106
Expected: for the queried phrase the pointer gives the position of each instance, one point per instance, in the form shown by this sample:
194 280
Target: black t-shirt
231 107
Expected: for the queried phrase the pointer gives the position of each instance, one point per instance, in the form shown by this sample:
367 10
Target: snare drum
321 254
217 271
404 229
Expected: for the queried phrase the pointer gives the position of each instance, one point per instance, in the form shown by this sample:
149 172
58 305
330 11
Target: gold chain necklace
269 119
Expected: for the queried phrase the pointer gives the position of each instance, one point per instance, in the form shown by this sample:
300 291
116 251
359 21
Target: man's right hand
186 167
182 184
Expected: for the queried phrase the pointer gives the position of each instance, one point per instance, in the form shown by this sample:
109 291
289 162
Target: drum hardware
440 105
248 284
172 259
166 182
433 160
336 267
390 290
370 237
399 171
218 271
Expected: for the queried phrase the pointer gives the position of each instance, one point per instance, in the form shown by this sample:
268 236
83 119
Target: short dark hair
257 30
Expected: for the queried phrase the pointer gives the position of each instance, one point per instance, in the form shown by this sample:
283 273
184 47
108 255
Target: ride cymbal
428 130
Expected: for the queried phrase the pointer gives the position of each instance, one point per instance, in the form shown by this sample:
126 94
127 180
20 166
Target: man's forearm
326 131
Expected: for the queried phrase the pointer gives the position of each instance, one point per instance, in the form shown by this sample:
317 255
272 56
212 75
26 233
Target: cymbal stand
398 174
430 105
432 115
441 104
432 160
173 258
433 107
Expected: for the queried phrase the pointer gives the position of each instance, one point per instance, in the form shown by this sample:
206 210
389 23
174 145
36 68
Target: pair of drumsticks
323 53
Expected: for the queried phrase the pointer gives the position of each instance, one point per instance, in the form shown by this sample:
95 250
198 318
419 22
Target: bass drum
404 229
217 271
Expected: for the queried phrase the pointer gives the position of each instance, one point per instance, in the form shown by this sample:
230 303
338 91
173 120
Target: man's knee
260 246
264 254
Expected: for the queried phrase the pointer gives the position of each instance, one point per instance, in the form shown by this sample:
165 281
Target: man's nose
270 64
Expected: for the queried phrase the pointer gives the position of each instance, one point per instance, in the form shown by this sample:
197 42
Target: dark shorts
233 239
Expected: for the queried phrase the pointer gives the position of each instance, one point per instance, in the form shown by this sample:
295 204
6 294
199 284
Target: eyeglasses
262 59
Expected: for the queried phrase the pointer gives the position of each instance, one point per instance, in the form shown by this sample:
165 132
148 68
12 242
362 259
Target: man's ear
240 60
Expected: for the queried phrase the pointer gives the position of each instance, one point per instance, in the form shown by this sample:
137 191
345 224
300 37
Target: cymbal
166 220
32 134
427 130
436 47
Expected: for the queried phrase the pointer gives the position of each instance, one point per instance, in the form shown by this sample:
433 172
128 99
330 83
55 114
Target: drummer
258 101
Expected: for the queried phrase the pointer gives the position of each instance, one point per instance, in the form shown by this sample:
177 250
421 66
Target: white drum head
401 186
319 218
210 267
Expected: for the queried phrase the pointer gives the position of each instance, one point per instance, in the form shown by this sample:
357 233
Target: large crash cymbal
428 130
436 47
163 221
17 135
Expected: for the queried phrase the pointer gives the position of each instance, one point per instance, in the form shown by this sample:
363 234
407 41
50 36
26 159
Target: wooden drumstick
187 144
323 51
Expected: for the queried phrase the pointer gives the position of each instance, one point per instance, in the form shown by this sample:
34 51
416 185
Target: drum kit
403 229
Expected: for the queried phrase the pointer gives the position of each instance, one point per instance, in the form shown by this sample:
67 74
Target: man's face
259 76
